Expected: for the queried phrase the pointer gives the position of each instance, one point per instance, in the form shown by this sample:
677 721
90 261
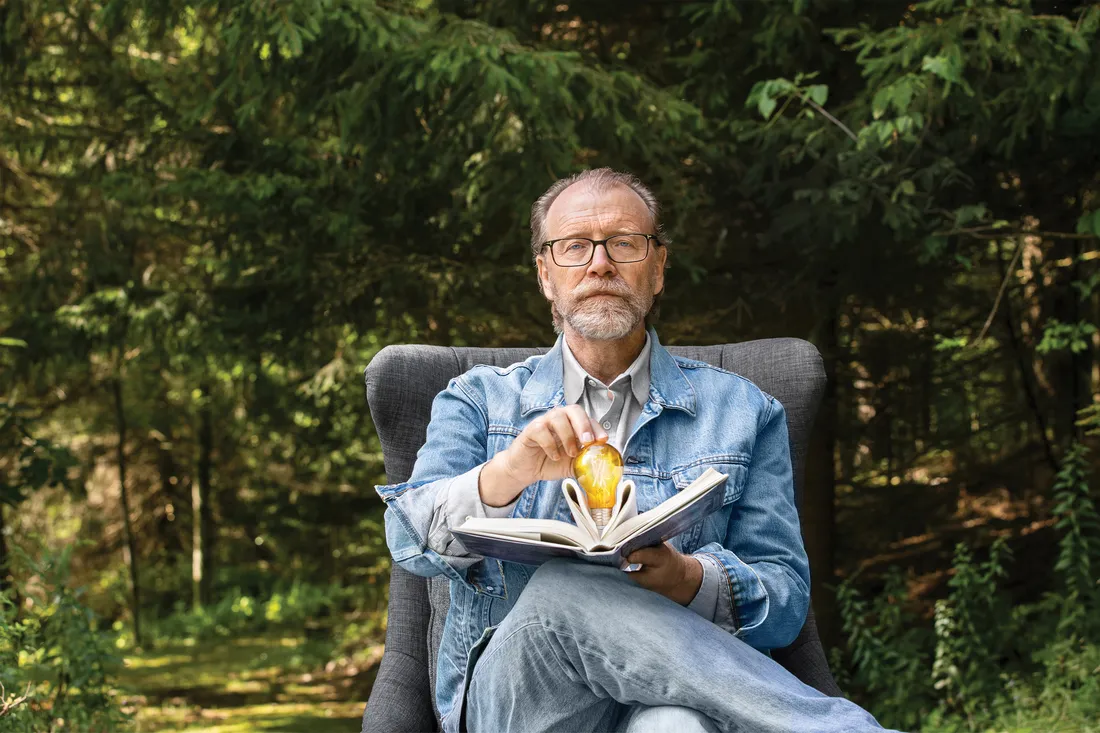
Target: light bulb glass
599 468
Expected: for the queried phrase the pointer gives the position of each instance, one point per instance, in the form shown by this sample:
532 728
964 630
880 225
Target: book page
693 491
545 530
577 501
626 506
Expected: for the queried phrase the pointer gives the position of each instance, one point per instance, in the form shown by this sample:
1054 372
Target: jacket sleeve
442 490
764 588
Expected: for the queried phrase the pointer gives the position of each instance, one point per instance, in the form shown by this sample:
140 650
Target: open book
534 541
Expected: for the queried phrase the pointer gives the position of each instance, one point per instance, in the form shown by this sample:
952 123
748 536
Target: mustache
620 289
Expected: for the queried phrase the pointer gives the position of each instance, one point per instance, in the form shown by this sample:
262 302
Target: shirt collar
668 387
574 376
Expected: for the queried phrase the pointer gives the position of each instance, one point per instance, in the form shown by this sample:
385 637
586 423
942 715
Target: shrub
53 656
1029 667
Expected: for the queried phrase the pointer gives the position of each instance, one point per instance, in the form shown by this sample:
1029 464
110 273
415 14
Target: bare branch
7 706
832 119
1004 284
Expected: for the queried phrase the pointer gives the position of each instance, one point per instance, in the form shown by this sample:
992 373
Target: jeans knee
567 589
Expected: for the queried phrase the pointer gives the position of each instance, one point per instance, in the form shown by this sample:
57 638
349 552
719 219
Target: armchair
401 382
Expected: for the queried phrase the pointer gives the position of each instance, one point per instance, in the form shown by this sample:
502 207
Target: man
676 645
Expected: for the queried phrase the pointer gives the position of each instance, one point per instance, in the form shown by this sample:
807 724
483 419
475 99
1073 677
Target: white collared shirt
615 406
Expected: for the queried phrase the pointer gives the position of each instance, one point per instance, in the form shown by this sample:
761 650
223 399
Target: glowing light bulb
599 468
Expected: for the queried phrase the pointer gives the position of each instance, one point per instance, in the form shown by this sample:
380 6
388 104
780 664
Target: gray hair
600 179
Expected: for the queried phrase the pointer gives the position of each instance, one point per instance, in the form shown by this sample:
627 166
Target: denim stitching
477 405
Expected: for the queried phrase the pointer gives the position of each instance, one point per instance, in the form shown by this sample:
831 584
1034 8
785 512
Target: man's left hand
667 571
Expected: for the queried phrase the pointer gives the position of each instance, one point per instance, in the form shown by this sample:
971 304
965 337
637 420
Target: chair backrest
402 381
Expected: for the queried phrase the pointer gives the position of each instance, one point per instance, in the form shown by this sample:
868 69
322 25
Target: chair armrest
805 659
400 699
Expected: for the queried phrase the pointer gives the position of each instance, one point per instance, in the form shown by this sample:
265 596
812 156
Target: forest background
213 214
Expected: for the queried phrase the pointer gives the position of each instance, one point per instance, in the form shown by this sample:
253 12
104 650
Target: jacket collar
668 387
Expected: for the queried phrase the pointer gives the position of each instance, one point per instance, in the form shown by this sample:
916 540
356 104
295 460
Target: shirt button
607 426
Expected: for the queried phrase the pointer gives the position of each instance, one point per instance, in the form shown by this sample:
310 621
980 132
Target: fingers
573 429
562 433
545 437
651 557
563 423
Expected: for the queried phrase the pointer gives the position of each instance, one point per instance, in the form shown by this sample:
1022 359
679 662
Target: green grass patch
273 682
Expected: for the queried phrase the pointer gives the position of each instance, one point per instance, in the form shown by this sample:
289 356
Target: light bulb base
601 517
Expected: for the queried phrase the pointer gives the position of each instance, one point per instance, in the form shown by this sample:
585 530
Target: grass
274 682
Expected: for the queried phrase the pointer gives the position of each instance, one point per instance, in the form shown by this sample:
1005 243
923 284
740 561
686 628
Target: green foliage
229 209
37 461
992 662
1073 337
973 627
52 651
237 613
1078 563
887 647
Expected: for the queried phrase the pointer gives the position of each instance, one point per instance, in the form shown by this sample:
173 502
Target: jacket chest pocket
712 528
540 499
499 438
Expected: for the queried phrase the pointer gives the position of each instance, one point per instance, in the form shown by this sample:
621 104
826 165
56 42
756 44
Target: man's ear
659 281
545 286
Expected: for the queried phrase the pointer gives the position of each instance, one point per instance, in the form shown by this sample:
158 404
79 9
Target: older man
680 644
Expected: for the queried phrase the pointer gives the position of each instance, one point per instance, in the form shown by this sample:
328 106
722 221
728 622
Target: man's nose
601 264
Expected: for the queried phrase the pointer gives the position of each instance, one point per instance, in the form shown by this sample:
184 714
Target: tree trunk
5 572
169 535
1025 368
200 507
129 549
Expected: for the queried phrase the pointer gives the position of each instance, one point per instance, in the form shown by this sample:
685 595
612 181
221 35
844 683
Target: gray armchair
402 381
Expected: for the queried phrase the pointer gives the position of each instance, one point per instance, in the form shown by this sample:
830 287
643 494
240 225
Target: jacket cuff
742 599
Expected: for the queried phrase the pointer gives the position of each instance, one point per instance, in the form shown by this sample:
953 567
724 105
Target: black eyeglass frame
598 242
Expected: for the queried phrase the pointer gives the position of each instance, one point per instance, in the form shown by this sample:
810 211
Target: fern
1079 547
972 627
888 649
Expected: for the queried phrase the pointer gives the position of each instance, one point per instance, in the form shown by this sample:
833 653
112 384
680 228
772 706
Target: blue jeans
587 649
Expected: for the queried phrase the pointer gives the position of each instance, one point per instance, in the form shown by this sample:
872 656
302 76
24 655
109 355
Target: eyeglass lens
624 248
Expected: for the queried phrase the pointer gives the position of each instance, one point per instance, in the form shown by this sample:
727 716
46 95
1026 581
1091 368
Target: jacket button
490 589
633 459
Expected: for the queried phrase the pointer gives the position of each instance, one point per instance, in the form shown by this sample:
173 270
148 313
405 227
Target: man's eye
570 246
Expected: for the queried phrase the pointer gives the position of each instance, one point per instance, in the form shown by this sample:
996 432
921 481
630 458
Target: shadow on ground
264 683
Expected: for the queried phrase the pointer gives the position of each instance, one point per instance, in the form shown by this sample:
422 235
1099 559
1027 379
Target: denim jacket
697 417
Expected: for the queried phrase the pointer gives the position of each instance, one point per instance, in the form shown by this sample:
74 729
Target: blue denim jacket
697 417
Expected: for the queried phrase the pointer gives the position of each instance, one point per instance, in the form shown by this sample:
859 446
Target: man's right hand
543 451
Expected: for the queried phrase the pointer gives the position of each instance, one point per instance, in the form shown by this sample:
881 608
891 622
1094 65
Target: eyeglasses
578 251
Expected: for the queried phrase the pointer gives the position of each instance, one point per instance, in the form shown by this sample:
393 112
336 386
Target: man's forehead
584 203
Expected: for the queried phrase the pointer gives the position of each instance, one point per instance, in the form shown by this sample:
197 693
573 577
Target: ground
275 682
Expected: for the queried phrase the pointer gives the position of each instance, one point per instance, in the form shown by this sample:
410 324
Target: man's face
604 300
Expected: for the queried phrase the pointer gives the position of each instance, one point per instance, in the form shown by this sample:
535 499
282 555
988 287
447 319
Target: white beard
603 319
